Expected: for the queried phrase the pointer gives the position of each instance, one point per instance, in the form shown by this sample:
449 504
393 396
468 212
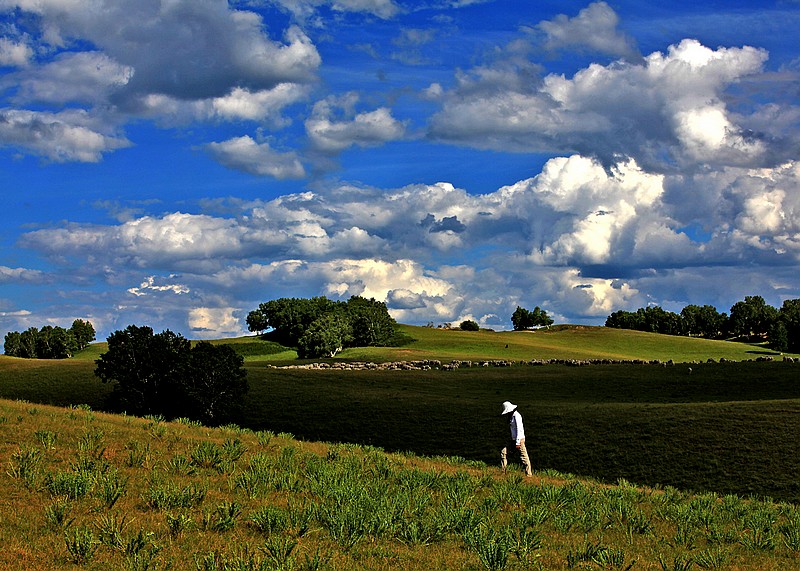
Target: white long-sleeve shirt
517 428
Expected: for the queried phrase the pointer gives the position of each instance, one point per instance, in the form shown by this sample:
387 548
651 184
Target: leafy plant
81 544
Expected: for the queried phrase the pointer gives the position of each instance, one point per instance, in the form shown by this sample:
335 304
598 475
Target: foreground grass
89 490
726 428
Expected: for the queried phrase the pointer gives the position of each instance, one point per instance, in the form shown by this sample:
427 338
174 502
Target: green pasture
727 427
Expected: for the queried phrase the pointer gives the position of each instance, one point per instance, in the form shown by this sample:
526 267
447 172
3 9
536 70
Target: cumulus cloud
594 28
174 62
214 322
369 128
669 110
71 135
244 154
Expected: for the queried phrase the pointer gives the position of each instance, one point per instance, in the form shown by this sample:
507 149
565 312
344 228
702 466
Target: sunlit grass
230 498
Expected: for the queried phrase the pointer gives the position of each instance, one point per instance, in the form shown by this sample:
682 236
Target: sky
174 163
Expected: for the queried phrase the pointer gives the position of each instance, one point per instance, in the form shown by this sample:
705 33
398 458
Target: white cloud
244 154
595 28
214 322
21 275
670 109
579 239
85 77
71 135
149 286
307 9
15 54
369 128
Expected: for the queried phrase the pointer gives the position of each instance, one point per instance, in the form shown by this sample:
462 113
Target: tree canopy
320 327
162 374
523 319
49 342
751 318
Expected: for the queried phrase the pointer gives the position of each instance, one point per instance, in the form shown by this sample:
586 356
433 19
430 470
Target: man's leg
523 454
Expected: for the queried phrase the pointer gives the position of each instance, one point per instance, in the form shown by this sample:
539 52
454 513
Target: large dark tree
214 383
162 374
789 317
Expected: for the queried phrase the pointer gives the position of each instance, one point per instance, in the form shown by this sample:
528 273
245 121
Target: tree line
319 327
749 319
49 342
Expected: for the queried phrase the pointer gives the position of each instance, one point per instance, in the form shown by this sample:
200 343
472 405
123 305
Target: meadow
638 466
727 427
87 490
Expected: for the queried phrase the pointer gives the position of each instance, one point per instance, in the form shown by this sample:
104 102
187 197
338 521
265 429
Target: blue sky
174 163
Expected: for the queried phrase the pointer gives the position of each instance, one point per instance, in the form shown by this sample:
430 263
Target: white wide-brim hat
508 407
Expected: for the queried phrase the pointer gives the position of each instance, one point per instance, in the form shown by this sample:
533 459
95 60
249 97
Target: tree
325 337
370 322
83 332
469 325
789 316
215 382
12 344
162 374
523 319
751 317
289 317
147 369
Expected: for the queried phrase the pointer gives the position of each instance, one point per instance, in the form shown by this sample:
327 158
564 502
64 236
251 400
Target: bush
470 325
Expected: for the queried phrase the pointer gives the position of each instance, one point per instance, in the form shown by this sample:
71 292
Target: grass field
87 490
726 427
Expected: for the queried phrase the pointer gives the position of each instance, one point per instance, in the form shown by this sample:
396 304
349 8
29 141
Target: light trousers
511 447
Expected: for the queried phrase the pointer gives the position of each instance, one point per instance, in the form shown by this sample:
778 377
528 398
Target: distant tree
778 336
13 344
55 343
624 320
290 317
301 323
370 322
751 317
27 343
469 325
523 319
325 337
705 321
84 333
162 374
789 316
257 321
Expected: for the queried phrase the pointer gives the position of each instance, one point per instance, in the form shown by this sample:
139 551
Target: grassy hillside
559 342
86 490
729 428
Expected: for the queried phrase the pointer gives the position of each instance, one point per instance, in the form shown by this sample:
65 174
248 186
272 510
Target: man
517 441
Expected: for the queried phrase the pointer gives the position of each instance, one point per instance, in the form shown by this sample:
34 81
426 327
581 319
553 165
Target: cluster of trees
49 342
523 319
163 374
751 318
320 327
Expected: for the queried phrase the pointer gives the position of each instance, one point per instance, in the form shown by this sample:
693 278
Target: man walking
517 440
